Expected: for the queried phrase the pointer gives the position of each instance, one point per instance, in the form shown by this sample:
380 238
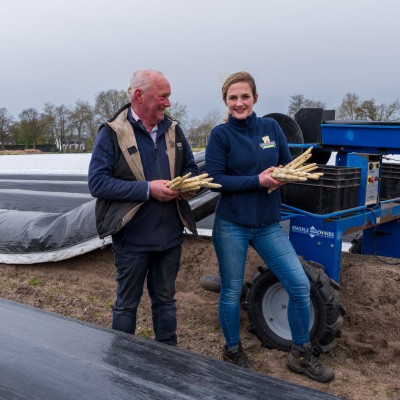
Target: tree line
57 125
351 108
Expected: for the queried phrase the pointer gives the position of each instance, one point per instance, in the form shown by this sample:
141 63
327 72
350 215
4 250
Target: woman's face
240 100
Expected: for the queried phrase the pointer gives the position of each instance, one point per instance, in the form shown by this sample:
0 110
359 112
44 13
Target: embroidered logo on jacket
267 144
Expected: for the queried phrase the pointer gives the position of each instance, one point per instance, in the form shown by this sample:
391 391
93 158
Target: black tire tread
323 290
211 283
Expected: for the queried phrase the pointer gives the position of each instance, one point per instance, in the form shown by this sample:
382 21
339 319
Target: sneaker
302 360
236 355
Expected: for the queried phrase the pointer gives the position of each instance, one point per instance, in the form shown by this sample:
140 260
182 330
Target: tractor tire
292 131
212 283
356 244
266 305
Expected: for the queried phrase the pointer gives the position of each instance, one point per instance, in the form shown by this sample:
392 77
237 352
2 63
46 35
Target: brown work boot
302 360
236 355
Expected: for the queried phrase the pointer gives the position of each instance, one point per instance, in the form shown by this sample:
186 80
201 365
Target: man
135 154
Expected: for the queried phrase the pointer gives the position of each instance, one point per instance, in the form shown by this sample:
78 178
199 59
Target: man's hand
160 192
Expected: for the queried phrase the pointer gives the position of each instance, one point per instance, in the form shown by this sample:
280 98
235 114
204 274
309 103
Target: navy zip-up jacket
156 226
237 152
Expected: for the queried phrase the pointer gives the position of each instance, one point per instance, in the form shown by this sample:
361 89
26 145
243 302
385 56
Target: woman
240 155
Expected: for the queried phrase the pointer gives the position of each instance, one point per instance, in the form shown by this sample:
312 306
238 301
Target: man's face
155 100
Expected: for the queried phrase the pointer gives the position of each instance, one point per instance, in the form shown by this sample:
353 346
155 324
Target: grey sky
63 51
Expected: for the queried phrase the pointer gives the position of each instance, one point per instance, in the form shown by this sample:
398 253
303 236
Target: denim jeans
161 269
231 242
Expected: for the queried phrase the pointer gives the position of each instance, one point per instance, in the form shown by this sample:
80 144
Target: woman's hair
236 77
141 79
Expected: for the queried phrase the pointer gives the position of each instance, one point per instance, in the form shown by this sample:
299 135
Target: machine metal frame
319 237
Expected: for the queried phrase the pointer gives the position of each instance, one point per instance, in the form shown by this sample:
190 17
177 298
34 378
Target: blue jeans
231 242
161 269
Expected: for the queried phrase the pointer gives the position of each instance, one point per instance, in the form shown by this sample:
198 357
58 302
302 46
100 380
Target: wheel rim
274 308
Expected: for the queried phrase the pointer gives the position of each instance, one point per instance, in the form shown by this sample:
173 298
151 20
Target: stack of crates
390 181
337 190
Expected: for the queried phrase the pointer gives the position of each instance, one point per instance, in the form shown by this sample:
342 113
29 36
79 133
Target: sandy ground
366 359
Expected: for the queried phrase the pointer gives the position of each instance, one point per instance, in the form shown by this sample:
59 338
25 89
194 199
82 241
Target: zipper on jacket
157 162
260 193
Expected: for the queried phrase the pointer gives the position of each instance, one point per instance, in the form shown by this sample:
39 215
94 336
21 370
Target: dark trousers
161 269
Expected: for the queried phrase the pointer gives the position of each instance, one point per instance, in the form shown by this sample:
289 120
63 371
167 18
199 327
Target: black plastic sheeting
52 213
45 356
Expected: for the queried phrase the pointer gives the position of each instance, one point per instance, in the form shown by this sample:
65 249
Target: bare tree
80 117
199 131
214 117
178 112
61 124
92 126
392 111
191 132
5 123
30 126
298 101
348 107
49 117
198 135
15 132
353 108
108 102
368 110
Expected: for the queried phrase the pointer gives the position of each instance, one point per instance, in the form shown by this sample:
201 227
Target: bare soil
366 359
16 152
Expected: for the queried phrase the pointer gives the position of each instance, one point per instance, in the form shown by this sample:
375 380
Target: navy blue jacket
237 152
157 225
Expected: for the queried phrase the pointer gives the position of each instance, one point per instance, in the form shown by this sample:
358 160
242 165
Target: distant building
7 142
70 144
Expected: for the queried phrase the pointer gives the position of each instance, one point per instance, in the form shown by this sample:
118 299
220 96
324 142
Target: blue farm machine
358 196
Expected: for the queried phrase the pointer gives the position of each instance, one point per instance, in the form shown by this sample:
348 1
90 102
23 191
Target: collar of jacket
124 130
249 122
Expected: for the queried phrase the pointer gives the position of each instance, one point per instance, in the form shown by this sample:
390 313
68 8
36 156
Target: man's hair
141 79
236 77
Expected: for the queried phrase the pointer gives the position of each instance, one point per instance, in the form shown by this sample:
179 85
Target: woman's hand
267 181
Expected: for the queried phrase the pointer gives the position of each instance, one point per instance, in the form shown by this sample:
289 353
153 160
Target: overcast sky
64 51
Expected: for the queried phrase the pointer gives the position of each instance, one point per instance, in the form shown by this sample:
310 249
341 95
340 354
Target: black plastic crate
390 181
391 170
337 190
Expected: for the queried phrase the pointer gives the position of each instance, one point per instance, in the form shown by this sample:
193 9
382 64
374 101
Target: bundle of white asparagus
187 184
295 171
